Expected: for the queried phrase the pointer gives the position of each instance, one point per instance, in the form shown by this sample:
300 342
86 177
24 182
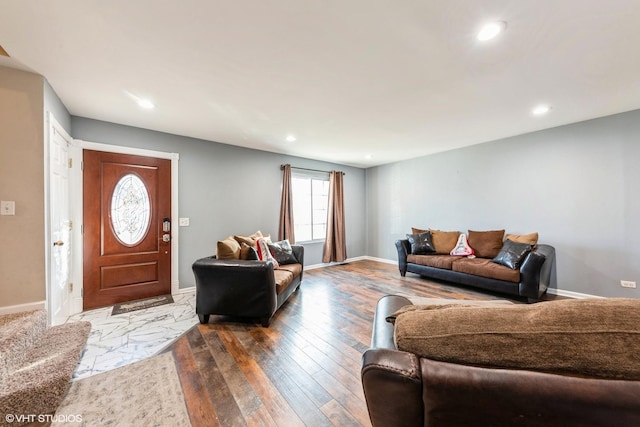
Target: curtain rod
312 170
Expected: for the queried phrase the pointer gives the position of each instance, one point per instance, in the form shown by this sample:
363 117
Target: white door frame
77 204
53 127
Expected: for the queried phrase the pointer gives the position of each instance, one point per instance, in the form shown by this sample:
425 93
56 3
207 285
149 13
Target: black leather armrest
403 247
392 386
535 272
298 252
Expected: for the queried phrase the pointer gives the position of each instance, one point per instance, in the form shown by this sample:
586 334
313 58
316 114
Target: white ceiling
392 79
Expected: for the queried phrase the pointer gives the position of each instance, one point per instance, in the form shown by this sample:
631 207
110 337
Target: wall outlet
183 222
627 284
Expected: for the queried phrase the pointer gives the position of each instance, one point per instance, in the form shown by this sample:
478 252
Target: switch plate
7 207
183 222
627 284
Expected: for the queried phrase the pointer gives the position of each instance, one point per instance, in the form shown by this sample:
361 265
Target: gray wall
226 190
53 104
577 185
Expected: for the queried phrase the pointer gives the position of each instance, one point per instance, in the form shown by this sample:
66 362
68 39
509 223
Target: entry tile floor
125 338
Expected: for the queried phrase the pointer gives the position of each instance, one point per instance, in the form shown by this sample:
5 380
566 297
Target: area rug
129 306
146 393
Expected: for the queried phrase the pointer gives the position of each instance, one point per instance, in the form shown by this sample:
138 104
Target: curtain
335 246
285 230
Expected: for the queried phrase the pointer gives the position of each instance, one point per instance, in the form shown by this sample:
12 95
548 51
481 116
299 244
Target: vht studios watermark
42 418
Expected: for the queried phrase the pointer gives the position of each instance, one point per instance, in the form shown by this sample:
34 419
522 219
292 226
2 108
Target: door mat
129 306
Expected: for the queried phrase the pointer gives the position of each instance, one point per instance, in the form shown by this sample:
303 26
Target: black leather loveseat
245 288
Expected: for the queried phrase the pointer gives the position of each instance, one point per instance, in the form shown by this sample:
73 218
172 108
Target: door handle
58 243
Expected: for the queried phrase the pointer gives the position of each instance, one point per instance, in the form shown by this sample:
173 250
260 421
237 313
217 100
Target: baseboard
184 291
571 294
39 305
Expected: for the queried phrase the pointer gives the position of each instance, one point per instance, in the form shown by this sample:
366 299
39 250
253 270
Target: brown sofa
405 389
535 272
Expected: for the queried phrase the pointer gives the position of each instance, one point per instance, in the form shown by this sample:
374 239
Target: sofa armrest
298 252
382 336
392 384
403 246
536 271
235 287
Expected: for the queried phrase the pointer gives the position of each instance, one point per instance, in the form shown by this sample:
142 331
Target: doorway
127 248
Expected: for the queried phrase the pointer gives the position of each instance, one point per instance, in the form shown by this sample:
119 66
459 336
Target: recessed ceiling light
541 110
491 30
291 138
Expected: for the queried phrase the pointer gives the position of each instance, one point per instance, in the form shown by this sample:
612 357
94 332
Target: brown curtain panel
285 230
335 246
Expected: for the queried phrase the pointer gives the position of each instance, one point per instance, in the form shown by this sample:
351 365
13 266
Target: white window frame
311 175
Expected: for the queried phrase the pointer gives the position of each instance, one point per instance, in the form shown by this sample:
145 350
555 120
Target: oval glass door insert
130 210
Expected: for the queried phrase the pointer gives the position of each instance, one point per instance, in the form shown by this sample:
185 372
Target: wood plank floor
305 368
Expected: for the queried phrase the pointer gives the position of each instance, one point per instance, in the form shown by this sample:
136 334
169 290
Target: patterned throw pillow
421 243
512 254
282 252
462 247
262 247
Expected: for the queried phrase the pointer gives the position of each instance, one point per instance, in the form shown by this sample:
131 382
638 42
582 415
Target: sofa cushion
589 337
295 269
531 238
418 230
421 243
436 261
485 268
486 244
512 254
444 241
283 278
282 252
228 248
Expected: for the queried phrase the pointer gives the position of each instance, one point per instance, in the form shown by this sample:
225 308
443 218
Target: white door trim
52 126
76 184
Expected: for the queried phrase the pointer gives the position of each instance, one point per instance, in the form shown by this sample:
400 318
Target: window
310 202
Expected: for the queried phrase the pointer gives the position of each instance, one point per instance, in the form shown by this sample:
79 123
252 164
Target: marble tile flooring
129 337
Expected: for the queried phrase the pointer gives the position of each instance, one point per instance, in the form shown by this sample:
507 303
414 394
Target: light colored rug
146 393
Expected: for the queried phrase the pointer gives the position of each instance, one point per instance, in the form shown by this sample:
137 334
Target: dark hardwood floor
305 368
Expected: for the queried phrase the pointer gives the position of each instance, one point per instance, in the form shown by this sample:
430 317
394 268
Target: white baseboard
39 305
571 294
184 291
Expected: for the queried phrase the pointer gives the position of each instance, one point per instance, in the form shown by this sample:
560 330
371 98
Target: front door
127 227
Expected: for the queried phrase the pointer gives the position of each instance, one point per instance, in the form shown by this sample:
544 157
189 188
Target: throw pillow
585 337
262 247
282 252
421 244
249 240
228 248
486 244
462 247
444 241
247 252
531 238
512 254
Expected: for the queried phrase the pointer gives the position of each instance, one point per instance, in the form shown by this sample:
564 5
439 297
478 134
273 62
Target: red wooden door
127 252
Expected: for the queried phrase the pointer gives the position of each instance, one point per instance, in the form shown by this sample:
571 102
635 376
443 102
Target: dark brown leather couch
245 288
402 389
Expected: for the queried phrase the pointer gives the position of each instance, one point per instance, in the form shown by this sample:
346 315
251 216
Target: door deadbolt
58 243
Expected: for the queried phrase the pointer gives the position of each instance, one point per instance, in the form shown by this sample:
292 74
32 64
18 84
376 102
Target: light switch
7 207
183 222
